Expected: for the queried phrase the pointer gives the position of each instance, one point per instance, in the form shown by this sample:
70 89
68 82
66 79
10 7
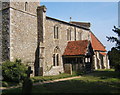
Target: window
75 33
56 57
53 59
68 34
56 33
26 6
80 35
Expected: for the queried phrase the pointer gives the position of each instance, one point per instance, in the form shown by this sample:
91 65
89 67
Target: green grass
100 81
47 78
38 79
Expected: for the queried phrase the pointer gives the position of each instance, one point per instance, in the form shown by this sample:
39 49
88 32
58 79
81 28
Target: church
49 45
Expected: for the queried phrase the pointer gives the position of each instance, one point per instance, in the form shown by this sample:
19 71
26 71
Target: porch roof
76 48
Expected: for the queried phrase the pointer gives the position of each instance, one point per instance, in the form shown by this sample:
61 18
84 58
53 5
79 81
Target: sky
103 16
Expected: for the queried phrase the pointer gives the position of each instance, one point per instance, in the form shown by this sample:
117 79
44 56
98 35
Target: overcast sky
103 16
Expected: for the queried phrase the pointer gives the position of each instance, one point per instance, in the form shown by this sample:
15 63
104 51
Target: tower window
26 6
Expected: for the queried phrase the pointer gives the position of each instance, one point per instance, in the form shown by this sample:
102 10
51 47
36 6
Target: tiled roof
102 53
76 25
76 47
96 44
85 24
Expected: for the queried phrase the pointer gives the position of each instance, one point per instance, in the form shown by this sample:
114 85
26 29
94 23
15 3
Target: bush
4 84
13 71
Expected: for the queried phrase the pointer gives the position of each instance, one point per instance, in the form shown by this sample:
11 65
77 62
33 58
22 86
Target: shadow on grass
88 83
78 86
72 86
105 74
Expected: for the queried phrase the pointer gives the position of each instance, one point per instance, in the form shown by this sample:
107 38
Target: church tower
18 32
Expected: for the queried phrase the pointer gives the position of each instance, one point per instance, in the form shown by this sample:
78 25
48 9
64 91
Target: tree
114 54
114 58
115 39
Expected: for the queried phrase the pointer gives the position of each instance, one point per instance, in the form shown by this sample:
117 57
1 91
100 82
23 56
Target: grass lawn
100 81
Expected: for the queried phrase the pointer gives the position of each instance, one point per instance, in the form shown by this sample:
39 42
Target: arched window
56 32
56 57
53 59
68 34
26 6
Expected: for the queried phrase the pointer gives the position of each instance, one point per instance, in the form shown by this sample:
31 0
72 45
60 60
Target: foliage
114 58
115 39
42 78
4 84
13 71
115 52
100 81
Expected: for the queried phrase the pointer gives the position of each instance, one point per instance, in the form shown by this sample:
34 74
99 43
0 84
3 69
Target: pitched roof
76 47
72 24
84 24
96 44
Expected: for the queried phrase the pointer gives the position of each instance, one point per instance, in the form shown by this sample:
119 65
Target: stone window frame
56 56
56 32
56 60
69 34
26 6
80 34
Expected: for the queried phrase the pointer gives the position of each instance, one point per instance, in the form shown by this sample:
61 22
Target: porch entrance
77 64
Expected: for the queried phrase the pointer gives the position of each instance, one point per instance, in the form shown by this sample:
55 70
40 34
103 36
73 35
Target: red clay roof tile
102 53
96 44
76 47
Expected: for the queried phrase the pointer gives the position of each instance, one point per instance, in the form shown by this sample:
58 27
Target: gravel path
2 88
57 80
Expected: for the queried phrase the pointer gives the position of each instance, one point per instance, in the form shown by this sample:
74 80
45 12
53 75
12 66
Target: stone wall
23 36
0 32
68 68
100 61
5 33
51 43
23 32
31 7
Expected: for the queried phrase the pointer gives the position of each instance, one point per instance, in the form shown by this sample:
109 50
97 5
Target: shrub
13 71
4 84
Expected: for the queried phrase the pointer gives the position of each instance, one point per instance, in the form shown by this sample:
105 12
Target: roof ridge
68 23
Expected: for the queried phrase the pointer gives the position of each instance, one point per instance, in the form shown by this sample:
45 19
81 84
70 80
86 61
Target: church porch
79 64
78 56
